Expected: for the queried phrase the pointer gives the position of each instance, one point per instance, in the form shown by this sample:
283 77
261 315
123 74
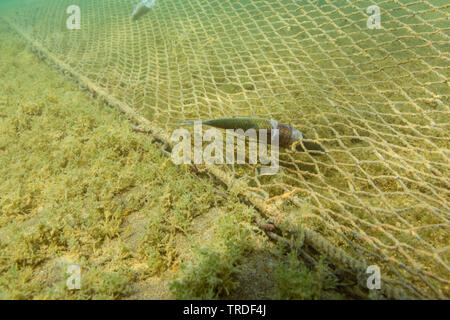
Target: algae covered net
376 98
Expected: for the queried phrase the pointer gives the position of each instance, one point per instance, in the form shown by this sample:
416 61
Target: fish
142 8
289 137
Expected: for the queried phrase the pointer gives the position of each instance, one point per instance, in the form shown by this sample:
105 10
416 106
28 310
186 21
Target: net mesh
376 99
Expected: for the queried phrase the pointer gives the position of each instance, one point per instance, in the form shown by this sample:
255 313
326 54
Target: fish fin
307 145
185 122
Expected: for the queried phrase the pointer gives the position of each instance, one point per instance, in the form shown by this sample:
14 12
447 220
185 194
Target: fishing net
376 99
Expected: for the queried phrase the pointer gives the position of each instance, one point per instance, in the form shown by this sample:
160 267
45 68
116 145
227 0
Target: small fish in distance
142 8
288 136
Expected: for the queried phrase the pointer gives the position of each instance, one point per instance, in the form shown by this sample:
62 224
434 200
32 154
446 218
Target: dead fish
289 137
142 8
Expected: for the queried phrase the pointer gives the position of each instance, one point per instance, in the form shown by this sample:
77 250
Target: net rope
376 99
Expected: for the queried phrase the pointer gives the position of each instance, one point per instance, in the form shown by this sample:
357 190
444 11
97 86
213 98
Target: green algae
80 187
